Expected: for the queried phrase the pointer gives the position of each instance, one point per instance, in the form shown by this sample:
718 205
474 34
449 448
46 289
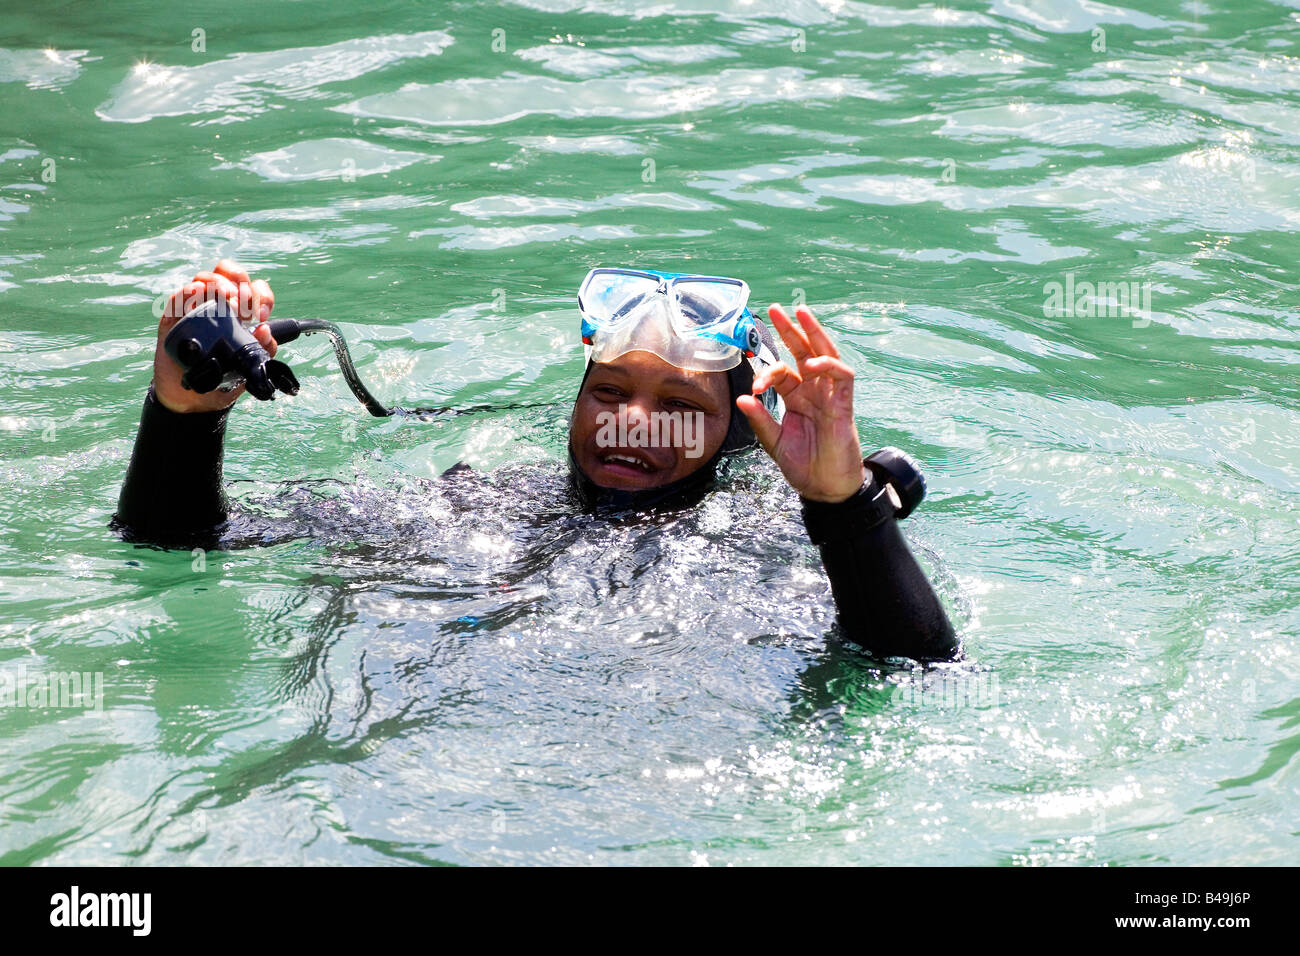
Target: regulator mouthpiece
216 350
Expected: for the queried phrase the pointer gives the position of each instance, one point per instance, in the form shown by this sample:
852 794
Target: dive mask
690 321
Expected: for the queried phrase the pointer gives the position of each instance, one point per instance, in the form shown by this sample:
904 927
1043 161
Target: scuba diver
671 360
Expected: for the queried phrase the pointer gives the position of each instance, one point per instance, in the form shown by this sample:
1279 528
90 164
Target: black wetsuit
174 495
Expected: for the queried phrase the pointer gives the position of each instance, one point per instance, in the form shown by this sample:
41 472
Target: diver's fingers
234 295
817 336
232 270
219 285
764 378
760 419
795 340
263 335
228 271
832 367
779 376
188 296
215 286
834 382
263 300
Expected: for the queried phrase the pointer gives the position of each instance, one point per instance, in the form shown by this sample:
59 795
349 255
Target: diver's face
642 423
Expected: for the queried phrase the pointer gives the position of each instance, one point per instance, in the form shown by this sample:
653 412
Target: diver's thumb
765 426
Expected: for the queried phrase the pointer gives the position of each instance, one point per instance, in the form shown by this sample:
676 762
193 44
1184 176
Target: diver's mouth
628 468
621 461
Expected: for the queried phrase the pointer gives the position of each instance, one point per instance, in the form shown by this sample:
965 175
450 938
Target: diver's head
641 423
667 356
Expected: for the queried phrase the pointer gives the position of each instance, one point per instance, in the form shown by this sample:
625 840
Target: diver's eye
682 403
609 391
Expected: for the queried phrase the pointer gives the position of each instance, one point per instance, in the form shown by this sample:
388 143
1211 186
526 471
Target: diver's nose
638 409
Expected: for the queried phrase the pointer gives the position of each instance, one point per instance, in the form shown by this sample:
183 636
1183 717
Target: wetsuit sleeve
885 603
173 490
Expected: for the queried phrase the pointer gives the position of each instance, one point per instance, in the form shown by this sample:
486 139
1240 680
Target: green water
405 672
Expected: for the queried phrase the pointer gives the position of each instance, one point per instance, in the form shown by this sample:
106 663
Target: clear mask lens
706 302
607 296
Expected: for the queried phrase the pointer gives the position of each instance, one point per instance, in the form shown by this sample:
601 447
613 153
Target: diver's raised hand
816 443
253 300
